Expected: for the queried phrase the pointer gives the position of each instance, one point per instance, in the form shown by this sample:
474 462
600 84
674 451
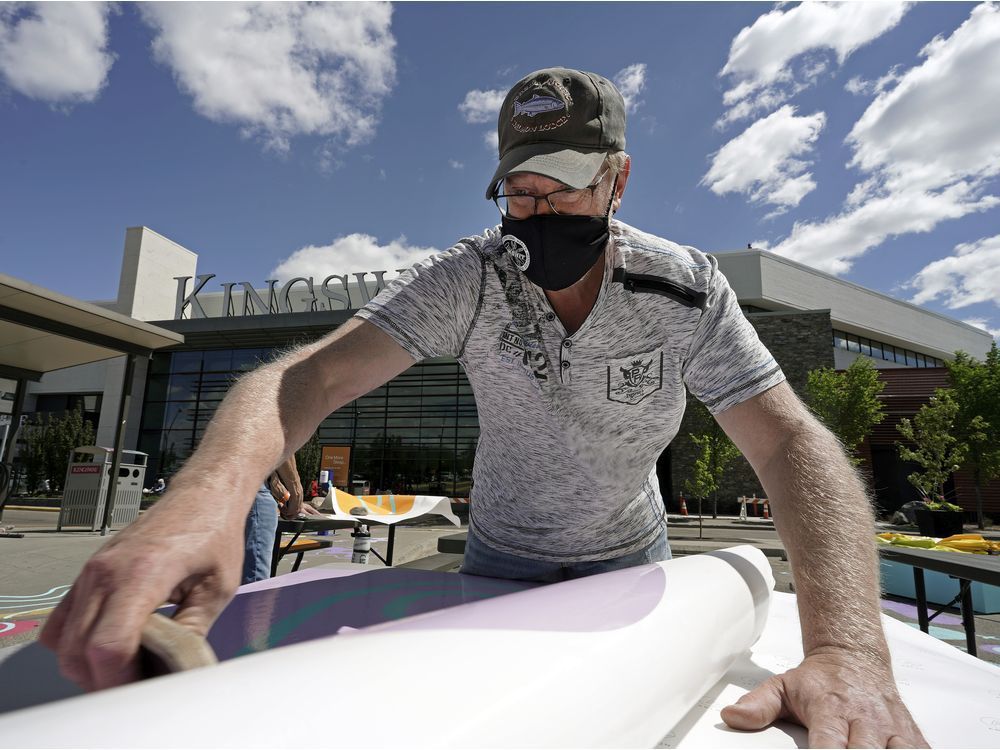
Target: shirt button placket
565 363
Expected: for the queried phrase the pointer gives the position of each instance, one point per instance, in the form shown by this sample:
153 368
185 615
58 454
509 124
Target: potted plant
939 453
940 519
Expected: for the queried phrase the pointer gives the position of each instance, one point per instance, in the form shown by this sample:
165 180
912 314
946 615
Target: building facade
418 432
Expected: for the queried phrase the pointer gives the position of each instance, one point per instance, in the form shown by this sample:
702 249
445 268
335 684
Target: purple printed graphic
280 616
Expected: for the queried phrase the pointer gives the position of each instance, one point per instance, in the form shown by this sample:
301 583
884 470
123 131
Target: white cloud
927 149
939 123
492 140
630 82
832 244
55 52
861 87
784 51
283 69
455 164
985 325
482 106
970 276
765 161
353 253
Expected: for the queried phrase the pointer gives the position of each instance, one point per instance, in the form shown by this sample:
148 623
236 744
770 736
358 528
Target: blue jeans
482 560
258 536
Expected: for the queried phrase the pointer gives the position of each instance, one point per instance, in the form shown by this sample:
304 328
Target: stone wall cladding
800 341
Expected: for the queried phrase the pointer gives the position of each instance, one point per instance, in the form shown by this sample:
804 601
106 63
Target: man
579 335
281 493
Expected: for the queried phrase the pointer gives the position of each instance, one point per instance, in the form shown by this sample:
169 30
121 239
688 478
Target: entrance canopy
41 330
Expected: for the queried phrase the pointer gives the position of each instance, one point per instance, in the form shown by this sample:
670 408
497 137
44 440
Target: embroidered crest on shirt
631 379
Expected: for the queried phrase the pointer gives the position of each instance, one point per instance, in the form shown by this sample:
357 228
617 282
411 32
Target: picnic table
967 568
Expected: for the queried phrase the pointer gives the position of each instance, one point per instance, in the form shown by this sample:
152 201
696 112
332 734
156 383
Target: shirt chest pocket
634 378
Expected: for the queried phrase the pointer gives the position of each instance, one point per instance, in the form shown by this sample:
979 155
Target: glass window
248 359
183 387
921 362
178 416
160 364
877 350
156 388
853 344
152 416
840 339
217 360
53 402
866 347
186 362
911 358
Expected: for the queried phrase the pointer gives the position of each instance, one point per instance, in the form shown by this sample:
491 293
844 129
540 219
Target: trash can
86 488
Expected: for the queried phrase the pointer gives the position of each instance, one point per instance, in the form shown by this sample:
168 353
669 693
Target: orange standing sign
337 460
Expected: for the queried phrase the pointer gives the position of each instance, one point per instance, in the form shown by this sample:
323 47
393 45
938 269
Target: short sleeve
727 363
429 308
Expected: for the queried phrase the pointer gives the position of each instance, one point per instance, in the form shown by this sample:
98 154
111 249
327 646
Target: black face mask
556 251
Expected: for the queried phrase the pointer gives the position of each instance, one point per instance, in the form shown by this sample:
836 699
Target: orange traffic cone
684 506
766 514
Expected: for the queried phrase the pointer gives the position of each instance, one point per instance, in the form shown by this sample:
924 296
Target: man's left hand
841 701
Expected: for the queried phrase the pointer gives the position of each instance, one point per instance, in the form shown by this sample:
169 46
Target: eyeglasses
563 201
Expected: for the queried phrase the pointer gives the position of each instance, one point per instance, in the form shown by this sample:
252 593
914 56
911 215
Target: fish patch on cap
541 105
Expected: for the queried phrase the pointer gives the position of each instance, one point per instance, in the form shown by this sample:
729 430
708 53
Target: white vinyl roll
613 660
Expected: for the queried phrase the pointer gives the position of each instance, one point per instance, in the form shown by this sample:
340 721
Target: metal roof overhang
256 331
41 330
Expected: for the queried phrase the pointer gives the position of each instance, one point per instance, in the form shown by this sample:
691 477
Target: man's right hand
166 556
177 553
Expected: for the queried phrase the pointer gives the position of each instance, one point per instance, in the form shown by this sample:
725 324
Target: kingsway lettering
279 299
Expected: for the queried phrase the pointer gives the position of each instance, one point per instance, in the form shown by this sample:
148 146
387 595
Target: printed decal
517 349
536 105
517 250
632 379
521 340
541 106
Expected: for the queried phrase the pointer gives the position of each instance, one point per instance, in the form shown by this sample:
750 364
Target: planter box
940 523
897 579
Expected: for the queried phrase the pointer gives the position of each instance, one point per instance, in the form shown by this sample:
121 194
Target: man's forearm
263 419
825 520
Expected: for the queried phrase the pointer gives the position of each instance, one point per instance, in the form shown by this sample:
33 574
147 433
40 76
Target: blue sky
861 139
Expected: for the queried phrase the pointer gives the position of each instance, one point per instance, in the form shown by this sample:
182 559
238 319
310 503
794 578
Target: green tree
847 402
48 443
717 453
33 454
307 461
936 448
976 387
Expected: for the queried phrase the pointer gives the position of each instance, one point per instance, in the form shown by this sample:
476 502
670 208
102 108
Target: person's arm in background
843 691
176 552
288 475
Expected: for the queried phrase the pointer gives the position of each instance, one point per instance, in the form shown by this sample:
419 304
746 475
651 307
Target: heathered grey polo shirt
571 426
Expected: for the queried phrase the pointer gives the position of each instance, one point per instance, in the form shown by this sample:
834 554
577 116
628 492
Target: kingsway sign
332 294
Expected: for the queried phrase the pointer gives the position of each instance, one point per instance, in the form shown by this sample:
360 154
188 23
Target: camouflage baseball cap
559 123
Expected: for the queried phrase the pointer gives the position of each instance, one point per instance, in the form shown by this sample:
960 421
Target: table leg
918 585
968 616
276 552
389 546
